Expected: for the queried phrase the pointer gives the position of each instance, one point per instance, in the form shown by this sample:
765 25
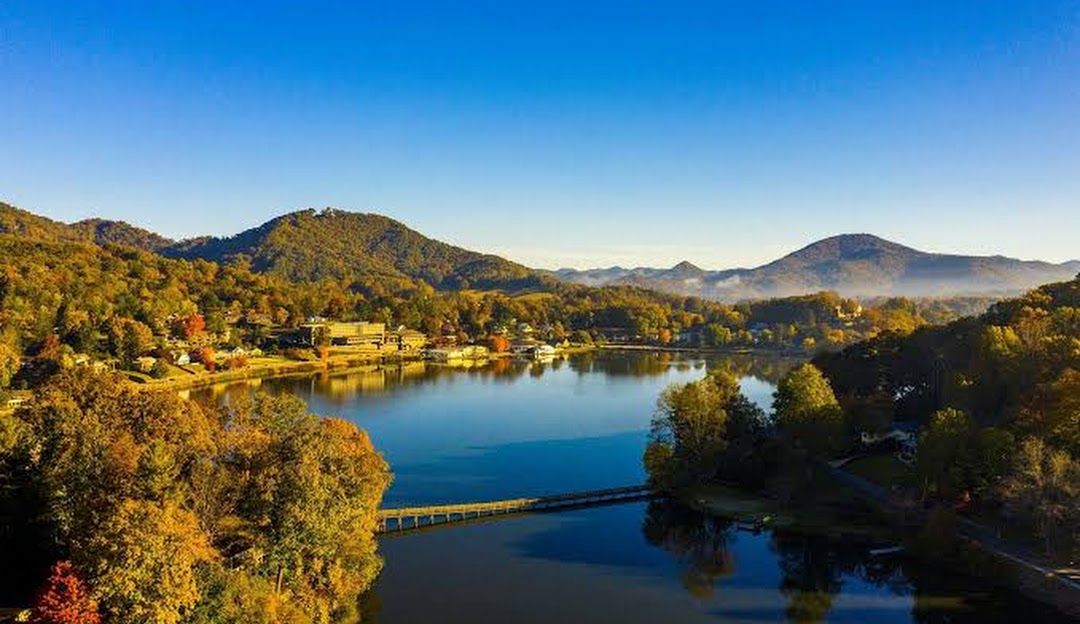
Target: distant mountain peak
854 264
686 267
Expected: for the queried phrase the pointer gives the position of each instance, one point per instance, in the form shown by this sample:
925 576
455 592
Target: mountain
105 232
370 250
855 265
311 245
380 254
19 222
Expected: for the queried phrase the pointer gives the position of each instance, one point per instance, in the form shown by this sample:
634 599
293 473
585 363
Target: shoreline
977 558
706 350
285 368
268 370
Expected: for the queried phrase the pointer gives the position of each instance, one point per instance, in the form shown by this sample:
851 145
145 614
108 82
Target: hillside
854 265
105 232
310 245
372 251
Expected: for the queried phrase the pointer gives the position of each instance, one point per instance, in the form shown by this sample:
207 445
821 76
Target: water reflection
698 543
516 427
662 562
505 428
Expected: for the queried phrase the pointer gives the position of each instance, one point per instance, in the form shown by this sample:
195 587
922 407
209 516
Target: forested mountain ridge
332 243
854 265
306 245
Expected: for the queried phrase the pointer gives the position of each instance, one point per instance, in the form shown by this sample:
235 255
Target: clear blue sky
558 133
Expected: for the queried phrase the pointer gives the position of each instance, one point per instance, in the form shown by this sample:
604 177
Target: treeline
995 401
112 292
125 506
65 296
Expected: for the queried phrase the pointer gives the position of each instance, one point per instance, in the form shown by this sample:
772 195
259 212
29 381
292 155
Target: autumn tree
206 357
190 326
807 412
1044 489
498 343
9 364
690 429
65 599
144 560
310 489
944 450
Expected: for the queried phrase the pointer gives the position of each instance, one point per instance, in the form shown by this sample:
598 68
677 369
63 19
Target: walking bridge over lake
409 518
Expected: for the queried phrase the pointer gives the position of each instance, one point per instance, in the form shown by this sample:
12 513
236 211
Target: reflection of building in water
408 370
357 381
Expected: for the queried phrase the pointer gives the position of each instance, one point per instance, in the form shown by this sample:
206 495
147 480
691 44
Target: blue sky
558 133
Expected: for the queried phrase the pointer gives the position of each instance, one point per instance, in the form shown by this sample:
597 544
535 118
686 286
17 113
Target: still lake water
515 428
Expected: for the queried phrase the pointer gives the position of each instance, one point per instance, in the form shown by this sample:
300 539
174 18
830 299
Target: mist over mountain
854 265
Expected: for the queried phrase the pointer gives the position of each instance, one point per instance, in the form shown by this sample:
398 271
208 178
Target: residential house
409 339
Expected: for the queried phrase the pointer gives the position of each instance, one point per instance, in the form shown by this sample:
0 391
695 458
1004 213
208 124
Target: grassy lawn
883 469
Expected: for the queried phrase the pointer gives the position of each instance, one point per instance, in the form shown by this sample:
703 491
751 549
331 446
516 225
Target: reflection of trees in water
699 542
811 569
381 379
764 367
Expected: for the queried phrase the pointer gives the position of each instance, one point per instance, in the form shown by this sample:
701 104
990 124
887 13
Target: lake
516 428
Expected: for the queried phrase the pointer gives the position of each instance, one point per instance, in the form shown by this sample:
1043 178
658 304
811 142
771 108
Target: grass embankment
830 513
883 469
195 376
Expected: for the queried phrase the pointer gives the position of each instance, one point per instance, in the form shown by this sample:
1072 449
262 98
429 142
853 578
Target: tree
190 326
206 357
943 454
1044 488
65 599
309 493
143 563
807 412
9 364
690 429
498 343
717 335
135 339
582 337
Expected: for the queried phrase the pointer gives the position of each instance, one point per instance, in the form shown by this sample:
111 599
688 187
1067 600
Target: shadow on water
816 578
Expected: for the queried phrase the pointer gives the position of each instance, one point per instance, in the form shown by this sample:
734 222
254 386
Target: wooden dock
409 518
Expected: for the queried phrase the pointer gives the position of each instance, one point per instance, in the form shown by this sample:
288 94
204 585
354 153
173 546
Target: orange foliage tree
65 599
205 355
499 344
237 361
190 326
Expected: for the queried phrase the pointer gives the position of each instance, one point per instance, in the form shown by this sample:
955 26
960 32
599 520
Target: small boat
892 550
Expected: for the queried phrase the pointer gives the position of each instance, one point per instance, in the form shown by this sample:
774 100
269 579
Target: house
409 339
524 346
543 351
905 435
181 358
899 432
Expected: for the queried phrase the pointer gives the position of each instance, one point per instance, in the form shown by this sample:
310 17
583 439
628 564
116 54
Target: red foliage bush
65 599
